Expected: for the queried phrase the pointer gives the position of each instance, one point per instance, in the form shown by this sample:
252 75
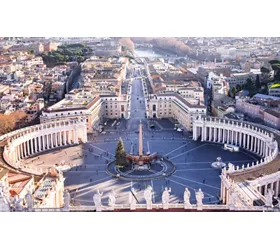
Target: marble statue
112 199
148 195
29 201
187 197
18 204
67 199
4 204
97 200
230 167
268 197
199 196
165 197
132 199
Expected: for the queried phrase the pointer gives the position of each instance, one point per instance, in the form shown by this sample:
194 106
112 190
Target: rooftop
75 100
273 112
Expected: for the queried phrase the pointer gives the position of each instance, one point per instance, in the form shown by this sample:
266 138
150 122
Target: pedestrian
203 181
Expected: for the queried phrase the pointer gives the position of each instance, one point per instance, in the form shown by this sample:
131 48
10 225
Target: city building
173 105
92 107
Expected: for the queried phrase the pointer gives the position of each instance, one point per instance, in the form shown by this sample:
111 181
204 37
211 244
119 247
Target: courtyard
193 160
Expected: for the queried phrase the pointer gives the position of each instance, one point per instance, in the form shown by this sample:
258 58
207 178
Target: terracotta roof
273 112
18 187
14 177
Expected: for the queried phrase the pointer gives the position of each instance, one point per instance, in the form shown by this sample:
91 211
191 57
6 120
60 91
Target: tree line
66 53
11 121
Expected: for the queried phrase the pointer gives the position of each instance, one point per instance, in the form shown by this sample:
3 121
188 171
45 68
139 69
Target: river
146 53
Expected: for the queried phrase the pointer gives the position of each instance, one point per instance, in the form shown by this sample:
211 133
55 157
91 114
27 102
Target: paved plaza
193 166
192 159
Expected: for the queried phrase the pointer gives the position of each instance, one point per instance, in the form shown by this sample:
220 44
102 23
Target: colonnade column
25 149
64 137
194 133
240 139
28 147
259 146
251 143
40 143
21 151
51 140
227 136
277 188
248 142
55 139
36 145
31 147
47 141
215 134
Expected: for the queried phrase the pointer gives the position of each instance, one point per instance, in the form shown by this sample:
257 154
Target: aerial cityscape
171 124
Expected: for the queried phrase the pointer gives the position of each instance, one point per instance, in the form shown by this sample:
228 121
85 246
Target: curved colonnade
26 142
250 181
240 185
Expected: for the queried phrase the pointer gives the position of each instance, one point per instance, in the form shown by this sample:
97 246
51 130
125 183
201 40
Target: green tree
249 84
232 92
275 64
80 59
265 70
120 154
238 87
258 83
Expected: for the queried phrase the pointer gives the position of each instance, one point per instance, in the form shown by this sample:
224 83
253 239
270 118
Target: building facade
172 105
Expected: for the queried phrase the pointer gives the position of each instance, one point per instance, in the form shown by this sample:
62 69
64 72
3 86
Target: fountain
142 166
218 163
